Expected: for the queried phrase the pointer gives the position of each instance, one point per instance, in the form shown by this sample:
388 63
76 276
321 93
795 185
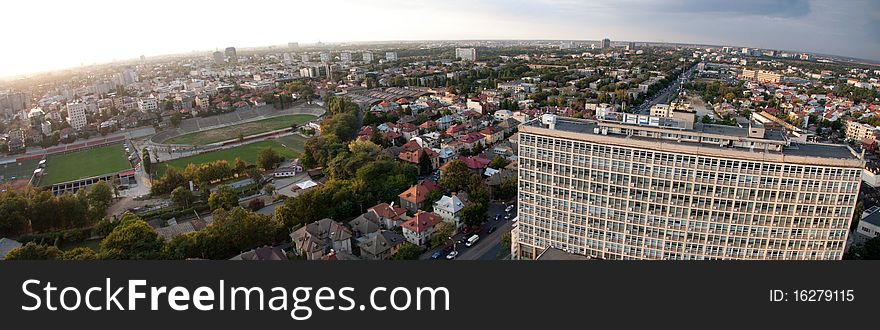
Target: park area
85 164
234 131
247 153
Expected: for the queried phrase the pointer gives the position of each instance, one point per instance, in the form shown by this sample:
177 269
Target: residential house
492 134
414 198
365 224
415 157
381 246
449 208
317 239
262 253
389 215
418 229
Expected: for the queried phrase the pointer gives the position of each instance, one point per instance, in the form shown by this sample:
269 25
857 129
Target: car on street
451 255
437 254
491 230
473 240
509 208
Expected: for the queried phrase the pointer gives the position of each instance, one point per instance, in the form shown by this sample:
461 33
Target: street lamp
454 244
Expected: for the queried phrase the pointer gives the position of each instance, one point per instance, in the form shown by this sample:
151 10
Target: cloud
767 8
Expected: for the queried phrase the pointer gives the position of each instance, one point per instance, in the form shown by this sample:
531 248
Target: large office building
625 186
606 43
466 54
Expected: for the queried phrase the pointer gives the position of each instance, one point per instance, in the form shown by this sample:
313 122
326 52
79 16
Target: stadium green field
246 129
84 164
17 171
246 152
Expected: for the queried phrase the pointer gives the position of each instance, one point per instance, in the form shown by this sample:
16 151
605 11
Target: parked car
451 255
491 229
437 254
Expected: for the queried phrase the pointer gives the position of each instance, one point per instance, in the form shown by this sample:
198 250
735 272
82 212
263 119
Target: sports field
246 152
246 129
15 171
84 164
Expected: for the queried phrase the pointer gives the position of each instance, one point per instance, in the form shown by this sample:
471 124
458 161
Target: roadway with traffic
488 246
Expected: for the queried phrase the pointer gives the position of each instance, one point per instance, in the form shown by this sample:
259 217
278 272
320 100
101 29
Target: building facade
466 54
610 189
76 115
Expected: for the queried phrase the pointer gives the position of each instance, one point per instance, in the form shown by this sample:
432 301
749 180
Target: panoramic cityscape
590 144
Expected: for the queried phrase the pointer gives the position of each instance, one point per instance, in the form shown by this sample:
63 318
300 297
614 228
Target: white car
451 255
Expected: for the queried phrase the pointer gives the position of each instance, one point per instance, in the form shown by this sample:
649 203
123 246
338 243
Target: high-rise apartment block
626 186
76 115
218 57
391 56
231 54
466 54
606 43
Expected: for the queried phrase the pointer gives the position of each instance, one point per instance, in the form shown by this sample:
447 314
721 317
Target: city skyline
52 44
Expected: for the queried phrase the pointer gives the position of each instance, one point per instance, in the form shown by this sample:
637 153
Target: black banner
515 295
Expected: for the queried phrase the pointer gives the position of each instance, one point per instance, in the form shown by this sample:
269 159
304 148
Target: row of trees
207 173
38 211
131 238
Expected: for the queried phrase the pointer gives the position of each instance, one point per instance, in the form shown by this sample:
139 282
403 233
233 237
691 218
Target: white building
345 57
612 189
391 56
367 57
148 104
76 115
449 208
466 54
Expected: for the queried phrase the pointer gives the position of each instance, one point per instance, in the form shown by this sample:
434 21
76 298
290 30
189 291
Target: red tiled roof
422 221
419 192
387 211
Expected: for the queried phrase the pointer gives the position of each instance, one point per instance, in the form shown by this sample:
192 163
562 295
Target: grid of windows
616 202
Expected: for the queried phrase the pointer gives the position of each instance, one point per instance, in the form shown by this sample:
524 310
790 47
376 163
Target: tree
15 219
498 162
146 162
176 119
133 239
443 232
34 251
269 189
425 165
230 233
79 253
99 198
255 175
408 251
181 196
473 214
267 159
456 176
307 207
869 250
223 198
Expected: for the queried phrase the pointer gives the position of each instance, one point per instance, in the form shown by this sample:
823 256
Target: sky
44 35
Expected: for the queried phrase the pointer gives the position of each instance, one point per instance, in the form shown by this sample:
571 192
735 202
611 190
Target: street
667 93
489 245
